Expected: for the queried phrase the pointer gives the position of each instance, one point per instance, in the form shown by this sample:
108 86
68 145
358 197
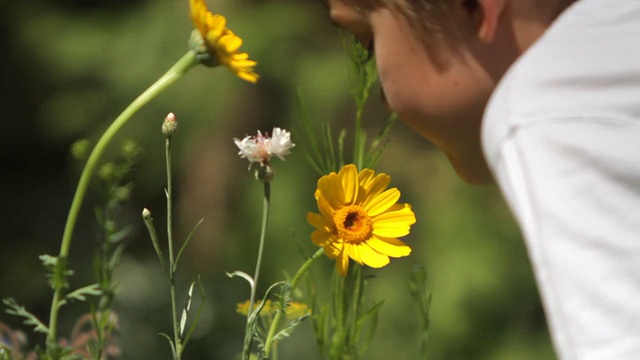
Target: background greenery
70 66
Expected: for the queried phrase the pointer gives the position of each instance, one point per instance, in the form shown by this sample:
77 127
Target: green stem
294 283
172 267
357 153
252 300
263 231
174 73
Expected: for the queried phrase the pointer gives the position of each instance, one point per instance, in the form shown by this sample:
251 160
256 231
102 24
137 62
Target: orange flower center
353 224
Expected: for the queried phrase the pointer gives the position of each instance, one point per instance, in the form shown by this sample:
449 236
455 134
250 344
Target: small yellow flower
267 310
294 309
360 219
219 44
297 310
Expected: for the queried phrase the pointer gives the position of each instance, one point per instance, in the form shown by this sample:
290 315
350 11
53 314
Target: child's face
436 85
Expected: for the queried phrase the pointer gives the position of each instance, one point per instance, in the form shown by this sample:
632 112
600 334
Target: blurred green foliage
70 66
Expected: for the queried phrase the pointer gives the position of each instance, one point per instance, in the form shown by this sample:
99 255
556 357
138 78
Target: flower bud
80 149
146 214
265 173
170 125
108 171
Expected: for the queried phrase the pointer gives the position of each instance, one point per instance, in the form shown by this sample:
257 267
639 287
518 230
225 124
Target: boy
543 96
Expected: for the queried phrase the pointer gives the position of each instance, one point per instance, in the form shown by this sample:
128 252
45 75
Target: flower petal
331 188
382 202
325 207
342 263
354 252
318 221
230 42
389 246
349 177
376 184
249 76
396 223
332 249
364 178
320 238
372 258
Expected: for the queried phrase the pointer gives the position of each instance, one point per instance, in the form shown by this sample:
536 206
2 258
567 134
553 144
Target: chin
473 171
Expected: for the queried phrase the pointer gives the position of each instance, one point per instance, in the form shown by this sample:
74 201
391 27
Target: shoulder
585 66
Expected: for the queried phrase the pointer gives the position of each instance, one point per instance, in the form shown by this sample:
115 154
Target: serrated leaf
82 293
288 330
30 319
48 260
119 235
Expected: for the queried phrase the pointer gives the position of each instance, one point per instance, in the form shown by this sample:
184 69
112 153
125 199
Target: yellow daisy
218 44
360 219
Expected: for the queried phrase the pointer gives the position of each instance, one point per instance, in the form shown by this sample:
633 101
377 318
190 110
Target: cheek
402 88
398 54
435 89
429 97
418 97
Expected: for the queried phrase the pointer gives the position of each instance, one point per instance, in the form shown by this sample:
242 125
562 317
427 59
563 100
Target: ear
490 12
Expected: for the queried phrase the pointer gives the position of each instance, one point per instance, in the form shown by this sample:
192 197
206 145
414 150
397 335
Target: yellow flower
218 44
359 219
297 310
294 309
267 310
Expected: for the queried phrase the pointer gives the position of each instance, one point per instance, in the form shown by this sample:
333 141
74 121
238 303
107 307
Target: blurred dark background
68 67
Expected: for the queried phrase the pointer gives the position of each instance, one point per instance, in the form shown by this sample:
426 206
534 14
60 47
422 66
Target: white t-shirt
562 136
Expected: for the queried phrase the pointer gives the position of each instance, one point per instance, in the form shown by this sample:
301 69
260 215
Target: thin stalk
358 148
172 267
294 283
174 73
263 231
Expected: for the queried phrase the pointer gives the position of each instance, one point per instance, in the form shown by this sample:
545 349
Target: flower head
261 148
360 218
217 45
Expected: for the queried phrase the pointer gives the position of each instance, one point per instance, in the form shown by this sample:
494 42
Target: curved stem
294 283
174 73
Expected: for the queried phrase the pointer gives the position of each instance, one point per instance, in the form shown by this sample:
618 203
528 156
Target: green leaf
195 321
184 245
82 293
148 221
330 156
419 291
377 147
288 330
30 319
250 329
119 235
310 141
173 348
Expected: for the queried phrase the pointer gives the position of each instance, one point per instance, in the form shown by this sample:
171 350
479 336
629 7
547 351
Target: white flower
281 143
261 148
